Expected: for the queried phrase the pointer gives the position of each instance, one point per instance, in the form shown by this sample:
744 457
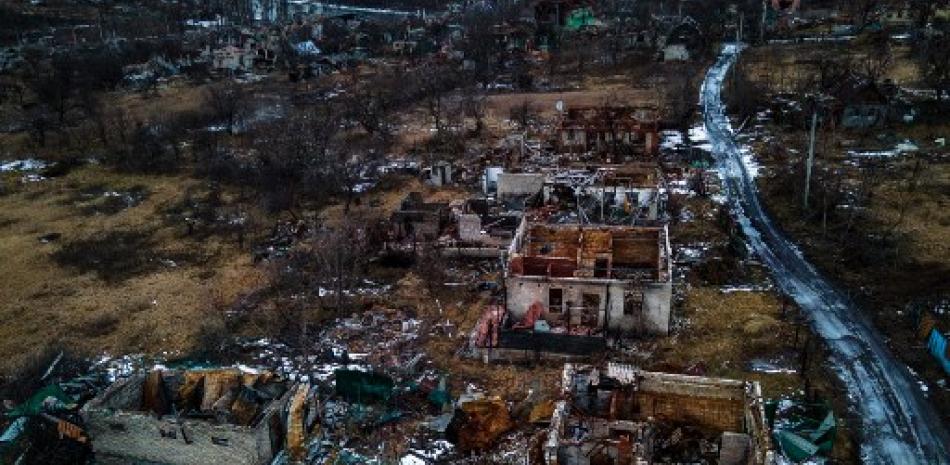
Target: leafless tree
933 56
228 102
862 11
879 57
522 113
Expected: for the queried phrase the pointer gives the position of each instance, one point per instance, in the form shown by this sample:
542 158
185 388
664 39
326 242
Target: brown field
787 67
44 304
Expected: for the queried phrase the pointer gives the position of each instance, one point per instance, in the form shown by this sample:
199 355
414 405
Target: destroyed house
418 220
488 222
620 131
211 417
569 289
611 193
622 415
590 280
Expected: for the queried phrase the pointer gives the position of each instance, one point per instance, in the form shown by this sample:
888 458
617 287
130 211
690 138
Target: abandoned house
571 288
591 279
487 222
222 416
417 220
861 103
619 131
621 415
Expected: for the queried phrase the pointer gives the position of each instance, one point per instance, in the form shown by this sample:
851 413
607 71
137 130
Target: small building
212 417
407 47
898 16
417 220
556 12
620 131
618 414
231 59
591 280
490 179
860 103
512 37
487 223
439 174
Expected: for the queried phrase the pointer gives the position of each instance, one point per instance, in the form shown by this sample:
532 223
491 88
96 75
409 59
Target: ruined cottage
418 220
591 279
619 131
621 415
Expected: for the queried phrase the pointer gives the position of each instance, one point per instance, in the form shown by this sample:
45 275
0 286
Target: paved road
899 425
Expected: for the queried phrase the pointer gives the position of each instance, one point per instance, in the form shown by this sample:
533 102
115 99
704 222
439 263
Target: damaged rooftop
604 252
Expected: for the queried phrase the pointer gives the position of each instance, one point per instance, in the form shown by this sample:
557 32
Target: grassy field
151 295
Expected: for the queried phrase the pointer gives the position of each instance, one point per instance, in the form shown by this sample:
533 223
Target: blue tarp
937 345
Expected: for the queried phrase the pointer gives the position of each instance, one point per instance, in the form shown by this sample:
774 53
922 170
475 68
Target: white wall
653 319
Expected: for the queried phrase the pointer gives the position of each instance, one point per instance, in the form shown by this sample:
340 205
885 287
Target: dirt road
899 424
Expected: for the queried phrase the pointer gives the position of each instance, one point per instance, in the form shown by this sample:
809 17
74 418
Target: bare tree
862 11
228 102
879 57
933 56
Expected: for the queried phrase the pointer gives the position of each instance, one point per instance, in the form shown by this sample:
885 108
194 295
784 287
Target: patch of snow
671 139
26 164
699 138
307 47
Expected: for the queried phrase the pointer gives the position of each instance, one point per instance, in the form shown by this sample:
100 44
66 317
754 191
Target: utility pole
811 155
762 25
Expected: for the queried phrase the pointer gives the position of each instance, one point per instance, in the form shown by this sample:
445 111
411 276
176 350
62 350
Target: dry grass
786 67
726 330
43 303
179 96
499 106
922 214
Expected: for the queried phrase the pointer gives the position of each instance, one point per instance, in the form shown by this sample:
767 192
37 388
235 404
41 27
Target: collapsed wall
146 418
618 415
